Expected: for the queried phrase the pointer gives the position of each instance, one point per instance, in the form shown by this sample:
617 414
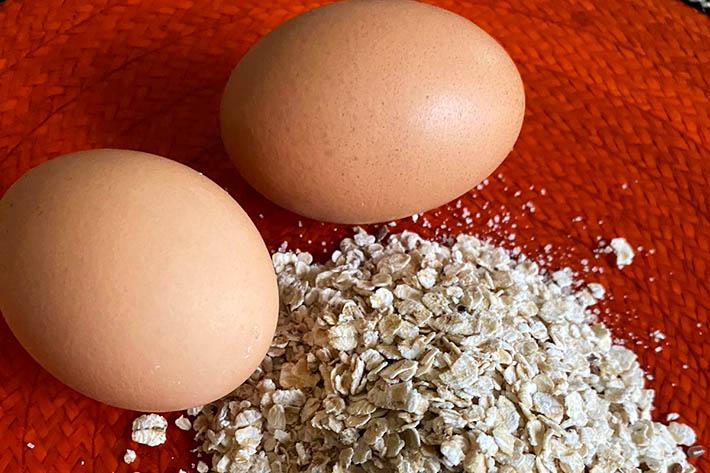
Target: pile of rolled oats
413 356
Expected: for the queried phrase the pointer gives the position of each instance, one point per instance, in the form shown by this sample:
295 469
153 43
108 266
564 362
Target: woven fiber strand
615 133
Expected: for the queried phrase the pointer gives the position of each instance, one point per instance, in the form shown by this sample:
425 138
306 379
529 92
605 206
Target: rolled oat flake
410 356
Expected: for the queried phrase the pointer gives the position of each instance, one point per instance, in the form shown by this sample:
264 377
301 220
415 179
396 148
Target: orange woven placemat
615 143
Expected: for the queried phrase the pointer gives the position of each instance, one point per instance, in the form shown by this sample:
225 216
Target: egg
371 110
135 280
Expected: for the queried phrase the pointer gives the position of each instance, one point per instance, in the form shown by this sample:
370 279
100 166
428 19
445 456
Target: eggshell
369 110
135 280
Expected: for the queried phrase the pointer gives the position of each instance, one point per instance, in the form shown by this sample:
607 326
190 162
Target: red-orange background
616 133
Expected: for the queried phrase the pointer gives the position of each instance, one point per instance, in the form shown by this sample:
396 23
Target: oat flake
183 423
150 429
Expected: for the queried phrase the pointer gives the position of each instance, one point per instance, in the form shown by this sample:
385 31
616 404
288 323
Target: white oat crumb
415 217
597 290
658 335
623 251
202 467
30 445
671 416
129 457
530 206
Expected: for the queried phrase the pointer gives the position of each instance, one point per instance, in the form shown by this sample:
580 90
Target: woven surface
615 133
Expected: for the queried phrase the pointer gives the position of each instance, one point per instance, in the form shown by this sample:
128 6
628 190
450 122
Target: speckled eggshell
369 110
135 280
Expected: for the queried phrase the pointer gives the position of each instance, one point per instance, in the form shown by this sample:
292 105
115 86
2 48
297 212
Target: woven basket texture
616 132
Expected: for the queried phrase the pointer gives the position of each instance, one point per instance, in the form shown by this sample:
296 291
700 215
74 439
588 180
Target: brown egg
135 280
370 110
